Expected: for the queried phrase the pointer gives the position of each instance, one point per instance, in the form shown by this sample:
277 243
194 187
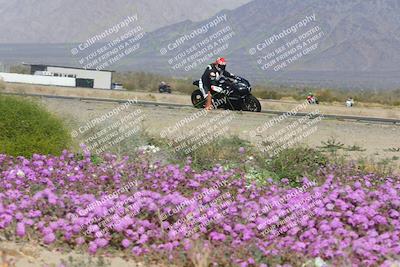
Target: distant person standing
349 102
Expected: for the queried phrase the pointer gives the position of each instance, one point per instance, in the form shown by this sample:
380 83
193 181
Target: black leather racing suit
207 79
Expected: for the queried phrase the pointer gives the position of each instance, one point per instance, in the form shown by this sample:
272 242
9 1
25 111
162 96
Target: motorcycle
313 100
164 89
235 95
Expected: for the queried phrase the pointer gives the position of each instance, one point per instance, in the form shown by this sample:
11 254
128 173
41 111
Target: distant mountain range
353 44
360 45
70 21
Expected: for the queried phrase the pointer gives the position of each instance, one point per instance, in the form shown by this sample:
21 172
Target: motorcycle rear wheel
198 100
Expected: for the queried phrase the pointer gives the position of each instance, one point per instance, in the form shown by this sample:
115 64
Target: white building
89 78
37 79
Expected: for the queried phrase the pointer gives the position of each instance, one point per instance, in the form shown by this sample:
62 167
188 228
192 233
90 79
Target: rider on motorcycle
312 99
164 87
210 78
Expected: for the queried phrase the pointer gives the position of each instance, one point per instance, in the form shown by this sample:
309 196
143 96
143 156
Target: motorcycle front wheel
198 100
252 104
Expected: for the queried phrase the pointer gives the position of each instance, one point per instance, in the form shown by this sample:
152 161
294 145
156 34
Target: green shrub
26 128
295 163
233 152
264 93
142 81
222 150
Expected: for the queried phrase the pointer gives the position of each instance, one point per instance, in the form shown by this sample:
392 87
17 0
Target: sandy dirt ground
35 255
375 139
361 109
